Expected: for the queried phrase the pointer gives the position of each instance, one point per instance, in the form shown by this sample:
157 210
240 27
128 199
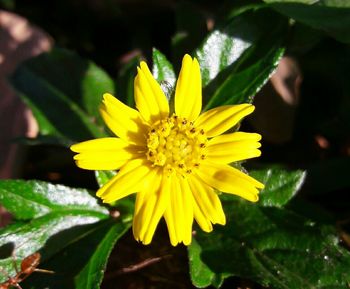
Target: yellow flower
174 162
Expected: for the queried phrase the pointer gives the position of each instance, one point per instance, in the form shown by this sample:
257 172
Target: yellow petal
218 120
179 213
233 147
170 222
176 201
171 218
186 208
144 199
104 153
188 93
207 201
149 98
158 203
137 220
101 144
130 179
122 120
229 180
201 219
173 214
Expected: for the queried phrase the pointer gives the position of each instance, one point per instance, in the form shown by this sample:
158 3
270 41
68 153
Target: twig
136 267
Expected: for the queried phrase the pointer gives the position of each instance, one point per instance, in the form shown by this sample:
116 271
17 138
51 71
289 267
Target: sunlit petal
155 208
130 179
105 153
207 201
201 219
218 120
188 94
234 147
230 180
173 220
122 120
149 98
146 200
186 208
174 163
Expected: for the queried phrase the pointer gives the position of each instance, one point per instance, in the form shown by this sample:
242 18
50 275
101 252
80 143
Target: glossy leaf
77 262
238 59
32 199
102 177
48 234
64 93
81 263
280 185
163 72
330 16
271 246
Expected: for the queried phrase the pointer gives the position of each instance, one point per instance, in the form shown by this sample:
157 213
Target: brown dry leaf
18 41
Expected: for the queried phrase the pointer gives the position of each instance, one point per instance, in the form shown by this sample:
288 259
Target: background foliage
295 237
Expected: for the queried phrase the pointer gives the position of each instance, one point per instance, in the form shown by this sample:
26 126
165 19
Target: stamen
175 144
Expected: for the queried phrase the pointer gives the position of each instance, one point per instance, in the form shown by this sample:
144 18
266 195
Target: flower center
175 144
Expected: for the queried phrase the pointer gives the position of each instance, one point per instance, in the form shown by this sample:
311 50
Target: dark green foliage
64 93
271 246
283 241
237 59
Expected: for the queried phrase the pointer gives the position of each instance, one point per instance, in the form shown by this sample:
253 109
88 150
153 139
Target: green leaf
32 199
92 274
272 246
201 274
80 264
237 60
330 16
102 177
125 81
53 231
240 87
64 93
280 185
163 72
231 9
62 218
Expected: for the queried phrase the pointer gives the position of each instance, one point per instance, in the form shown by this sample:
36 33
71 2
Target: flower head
174 162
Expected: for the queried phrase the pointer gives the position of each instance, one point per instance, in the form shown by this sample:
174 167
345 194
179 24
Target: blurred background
303 112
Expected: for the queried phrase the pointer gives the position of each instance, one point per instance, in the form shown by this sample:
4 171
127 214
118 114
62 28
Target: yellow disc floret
175 144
